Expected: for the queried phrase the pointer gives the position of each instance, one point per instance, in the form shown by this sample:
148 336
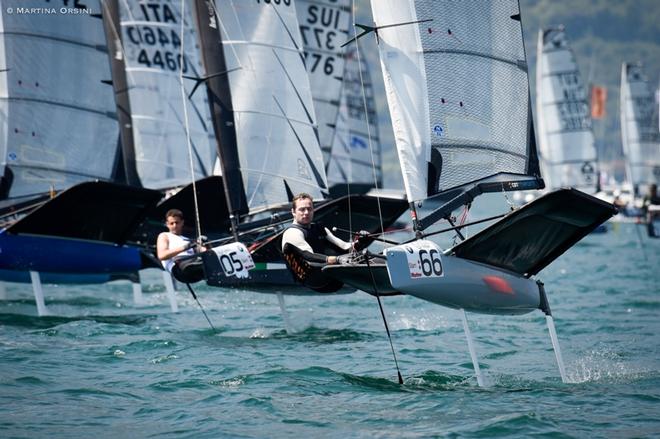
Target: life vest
314 235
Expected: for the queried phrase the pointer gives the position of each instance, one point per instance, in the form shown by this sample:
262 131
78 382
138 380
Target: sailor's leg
473 353
171 294
38 293
285 314
545 307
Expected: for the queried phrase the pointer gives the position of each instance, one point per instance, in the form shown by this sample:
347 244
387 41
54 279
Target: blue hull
62 255
55 278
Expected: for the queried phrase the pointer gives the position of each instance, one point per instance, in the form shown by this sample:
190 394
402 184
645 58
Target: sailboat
640 135
568 153
59 136
456 79
266 133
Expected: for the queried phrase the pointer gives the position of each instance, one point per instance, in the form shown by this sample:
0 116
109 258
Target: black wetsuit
316 238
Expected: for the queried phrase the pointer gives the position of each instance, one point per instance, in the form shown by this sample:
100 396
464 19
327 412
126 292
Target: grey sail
356 154
278 147
57 118
639 130
150 49
456 80
568 152
324 27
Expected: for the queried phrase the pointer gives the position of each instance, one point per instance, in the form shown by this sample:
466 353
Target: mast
219 98
111 24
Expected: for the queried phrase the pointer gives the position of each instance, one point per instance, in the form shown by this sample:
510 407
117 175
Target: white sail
351 158
457 87
566 141
324 26
57 119
151 40
274 118
639 131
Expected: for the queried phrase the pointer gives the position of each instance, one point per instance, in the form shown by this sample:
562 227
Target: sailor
650 208
173 243
312 239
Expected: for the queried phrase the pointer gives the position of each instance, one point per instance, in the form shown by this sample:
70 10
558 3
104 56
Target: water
105 367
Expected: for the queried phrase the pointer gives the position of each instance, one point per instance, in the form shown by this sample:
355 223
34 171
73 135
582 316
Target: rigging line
186 126
201 307
449 229
366 115
382 313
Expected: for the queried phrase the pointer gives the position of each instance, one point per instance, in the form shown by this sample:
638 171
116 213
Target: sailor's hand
361 238
331 260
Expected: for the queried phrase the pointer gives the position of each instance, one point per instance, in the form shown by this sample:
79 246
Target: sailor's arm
346 246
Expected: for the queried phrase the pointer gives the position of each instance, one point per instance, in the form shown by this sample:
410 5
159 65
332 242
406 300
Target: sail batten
458 91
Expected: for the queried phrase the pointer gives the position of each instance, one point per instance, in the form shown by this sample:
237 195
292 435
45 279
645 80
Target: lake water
102 366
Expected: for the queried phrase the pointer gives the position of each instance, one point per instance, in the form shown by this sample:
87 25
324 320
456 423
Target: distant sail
639 131
275 123
351 157
457 87
57 118
151 51
324 26
568 152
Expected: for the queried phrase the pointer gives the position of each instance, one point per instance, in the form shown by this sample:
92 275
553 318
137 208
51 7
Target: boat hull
65 255
464 284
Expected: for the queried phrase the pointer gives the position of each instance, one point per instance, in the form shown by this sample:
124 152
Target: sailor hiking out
307 246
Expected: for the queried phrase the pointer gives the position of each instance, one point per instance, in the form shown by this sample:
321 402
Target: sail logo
12 156
358 142
587 170
438 130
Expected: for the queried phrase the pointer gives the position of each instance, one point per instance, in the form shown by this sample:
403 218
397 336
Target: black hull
359 212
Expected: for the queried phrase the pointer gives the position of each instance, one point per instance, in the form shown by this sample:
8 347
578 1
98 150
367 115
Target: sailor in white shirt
173 243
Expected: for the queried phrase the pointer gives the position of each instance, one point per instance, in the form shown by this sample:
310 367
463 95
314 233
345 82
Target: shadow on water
46 322
323 335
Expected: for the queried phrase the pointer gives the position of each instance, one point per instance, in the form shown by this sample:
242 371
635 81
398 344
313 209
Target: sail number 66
430 262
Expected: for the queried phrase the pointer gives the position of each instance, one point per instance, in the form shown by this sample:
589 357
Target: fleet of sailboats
231 107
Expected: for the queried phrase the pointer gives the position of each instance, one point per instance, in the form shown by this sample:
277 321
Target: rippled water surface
103 366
